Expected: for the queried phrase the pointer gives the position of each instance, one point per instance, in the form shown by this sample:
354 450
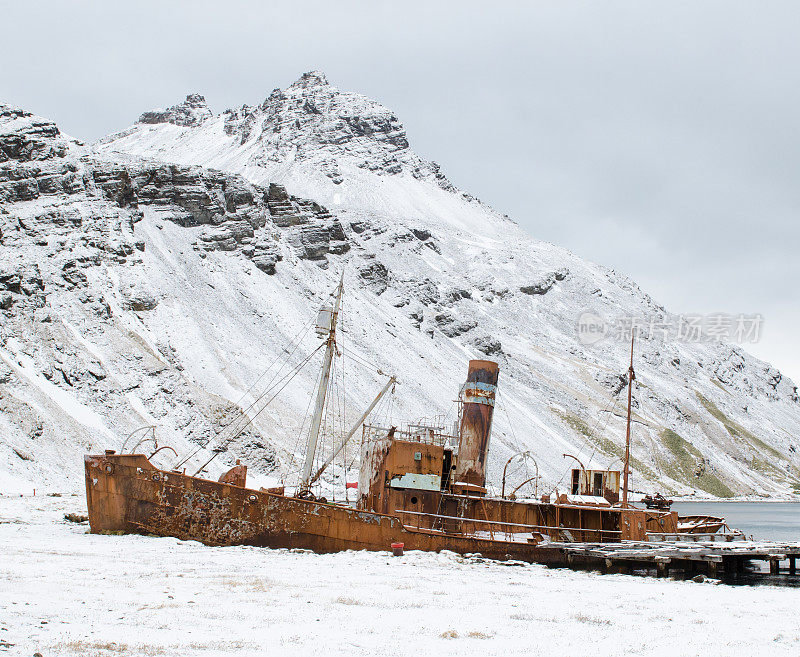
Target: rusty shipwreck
419 486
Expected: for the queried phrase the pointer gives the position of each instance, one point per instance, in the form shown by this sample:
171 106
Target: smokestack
477 396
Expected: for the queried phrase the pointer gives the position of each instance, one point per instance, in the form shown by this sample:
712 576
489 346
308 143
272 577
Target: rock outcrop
235 215
191 112
545 284
313 121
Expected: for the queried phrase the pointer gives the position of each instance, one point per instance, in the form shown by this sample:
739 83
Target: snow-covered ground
66 592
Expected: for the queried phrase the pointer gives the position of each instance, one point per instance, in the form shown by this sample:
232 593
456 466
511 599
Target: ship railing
415 434
725 533
683 537
511 531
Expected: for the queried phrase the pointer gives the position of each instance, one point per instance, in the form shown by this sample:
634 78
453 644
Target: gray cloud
662 139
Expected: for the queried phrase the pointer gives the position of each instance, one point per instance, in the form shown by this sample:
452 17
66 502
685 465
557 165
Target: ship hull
700 524
127 494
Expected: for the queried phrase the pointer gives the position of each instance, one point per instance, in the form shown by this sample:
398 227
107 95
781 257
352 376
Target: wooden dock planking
689 556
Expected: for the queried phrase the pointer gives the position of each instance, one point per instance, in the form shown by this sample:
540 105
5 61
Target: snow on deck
66 592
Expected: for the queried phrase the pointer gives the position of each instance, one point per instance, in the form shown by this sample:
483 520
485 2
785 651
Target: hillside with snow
150 279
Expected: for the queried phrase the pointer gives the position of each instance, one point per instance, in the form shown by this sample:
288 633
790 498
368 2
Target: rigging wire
296 371
244 416
654 449
343 416
500 403
362 361
298 338
243 412
326 422
605 426
585 441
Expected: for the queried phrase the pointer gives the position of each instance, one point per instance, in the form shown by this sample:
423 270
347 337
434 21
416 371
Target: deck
689 557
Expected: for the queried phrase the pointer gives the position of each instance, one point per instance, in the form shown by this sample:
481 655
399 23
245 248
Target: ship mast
356 425
322 392
631 377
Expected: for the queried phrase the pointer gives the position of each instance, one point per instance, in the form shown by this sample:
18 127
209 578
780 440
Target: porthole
413 500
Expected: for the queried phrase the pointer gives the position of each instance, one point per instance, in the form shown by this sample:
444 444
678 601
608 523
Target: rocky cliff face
179 283
73 277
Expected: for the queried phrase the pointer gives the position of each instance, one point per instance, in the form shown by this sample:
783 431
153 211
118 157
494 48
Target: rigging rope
244 415
587 438
243 412
227 442
285 350
362 361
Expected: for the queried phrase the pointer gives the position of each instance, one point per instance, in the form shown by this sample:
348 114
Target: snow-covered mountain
150 279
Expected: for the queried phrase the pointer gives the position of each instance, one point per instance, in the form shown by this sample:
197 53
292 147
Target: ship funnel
477 397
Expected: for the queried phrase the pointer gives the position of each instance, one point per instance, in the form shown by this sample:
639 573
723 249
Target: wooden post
792 565
774 566
662 566
712 569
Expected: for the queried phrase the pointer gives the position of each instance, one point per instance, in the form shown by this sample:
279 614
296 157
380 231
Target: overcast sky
659 138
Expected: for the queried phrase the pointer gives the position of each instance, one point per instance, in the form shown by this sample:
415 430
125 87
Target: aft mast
631 377
322 390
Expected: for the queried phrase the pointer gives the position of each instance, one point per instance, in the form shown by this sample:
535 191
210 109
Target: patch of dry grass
479 635
591 620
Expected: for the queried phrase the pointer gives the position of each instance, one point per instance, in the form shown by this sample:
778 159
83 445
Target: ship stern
106 499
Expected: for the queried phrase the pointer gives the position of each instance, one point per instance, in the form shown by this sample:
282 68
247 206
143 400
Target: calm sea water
772 521
769 521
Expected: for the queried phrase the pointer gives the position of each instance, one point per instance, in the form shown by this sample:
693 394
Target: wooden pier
686 558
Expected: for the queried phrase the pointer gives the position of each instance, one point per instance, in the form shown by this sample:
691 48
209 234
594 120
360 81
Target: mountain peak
339 133
190 113
310 79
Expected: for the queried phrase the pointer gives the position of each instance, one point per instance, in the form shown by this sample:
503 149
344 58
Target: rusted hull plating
126 493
